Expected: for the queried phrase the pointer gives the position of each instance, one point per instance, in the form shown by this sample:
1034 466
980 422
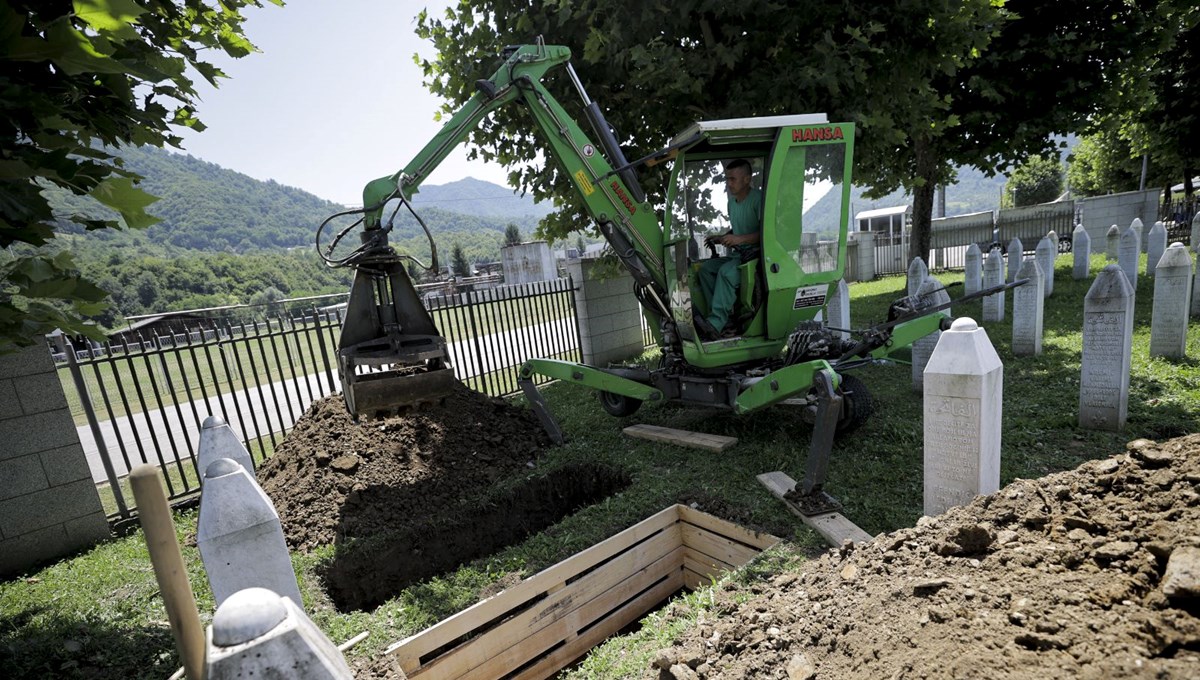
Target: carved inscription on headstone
1081 248
993 275
1107 343
1028 304
1129 257
973 272
1112 243
1172 302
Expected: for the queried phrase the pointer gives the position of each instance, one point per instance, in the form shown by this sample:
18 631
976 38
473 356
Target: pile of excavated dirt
332 478
1092 573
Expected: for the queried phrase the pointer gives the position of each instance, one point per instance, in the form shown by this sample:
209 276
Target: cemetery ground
1007 584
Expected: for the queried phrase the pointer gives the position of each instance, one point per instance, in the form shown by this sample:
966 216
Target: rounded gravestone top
1137 222
1177 244
964 324
1114 229
221 467
246 615
211 422
1079 228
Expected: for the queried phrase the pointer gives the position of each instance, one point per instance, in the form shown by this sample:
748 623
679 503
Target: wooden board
696 440
716 525
833 526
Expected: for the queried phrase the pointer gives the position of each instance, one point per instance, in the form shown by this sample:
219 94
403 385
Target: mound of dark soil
1061 577
332 478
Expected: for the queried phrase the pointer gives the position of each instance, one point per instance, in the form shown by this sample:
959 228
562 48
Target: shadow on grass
53 646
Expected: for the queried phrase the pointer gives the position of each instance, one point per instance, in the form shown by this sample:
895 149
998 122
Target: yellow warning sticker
584 183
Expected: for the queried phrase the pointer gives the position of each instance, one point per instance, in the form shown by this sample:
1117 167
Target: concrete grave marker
1129 257
1156 246
866 256
1196 233
964 395
917 273
931 294
1172 302
993 275
1107 345
239 535
973 274
1195 305
1028 306
1016 251
1112 243
1045 253
1081 248
839 308
256 633
217 441
1137 226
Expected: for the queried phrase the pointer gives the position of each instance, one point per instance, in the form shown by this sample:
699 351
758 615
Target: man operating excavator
719 275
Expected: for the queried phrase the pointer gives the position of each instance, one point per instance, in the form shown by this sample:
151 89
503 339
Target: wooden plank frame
542 624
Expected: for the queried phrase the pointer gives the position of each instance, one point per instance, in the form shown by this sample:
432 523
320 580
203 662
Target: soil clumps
1091 573
332 478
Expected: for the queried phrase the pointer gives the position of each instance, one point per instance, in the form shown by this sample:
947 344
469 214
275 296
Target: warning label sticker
810 296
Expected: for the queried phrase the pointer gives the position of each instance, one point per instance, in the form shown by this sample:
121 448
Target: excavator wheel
856 404
618 405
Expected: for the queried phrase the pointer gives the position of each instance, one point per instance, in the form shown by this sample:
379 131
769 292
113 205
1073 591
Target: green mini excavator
390 353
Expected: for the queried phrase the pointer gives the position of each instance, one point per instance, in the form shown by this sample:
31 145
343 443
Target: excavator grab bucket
390 355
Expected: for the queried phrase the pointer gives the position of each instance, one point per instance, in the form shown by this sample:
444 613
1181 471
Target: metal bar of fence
162 412
231 347
262 396
320 331
272 337
480 369
112 417
493 339
94 424
137 385
162 360
307 333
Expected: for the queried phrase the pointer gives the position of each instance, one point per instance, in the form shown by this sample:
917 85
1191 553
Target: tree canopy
1038 180
80 77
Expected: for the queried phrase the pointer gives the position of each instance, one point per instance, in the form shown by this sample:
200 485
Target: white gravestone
1196 232
1045 253
973 274
1155 247
1129 257
1196 292
1107 346
256 633
1081 249
1016 252
931 294
239 535
917 273
839 308
1028 306
1137 226
1172 302
217 441
866 256
993 275
1112 243
964 397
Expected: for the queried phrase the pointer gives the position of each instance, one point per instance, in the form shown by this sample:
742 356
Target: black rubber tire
856 404
618 405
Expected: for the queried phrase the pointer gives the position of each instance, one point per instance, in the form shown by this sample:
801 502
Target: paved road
172 434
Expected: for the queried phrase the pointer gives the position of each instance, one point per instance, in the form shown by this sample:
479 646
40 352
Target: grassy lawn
99 614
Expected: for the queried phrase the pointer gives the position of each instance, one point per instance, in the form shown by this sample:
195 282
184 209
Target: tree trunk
922 201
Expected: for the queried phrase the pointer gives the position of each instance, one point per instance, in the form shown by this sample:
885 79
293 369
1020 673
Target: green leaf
114 17
121 195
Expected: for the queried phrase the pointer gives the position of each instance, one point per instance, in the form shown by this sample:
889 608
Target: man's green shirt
746 216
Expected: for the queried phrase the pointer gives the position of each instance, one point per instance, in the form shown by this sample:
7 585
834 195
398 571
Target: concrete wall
48 504
1101 212
610 318
528 263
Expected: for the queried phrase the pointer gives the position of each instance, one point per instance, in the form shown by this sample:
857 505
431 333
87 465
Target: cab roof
738 130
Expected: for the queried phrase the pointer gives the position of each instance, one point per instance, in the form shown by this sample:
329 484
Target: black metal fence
143 400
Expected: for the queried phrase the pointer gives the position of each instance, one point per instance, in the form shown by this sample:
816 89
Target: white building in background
528 263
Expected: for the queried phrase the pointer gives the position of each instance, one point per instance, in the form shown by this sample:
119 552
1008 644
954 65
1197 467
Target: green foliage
1101 165
459 262
512 235
76 76
1038 180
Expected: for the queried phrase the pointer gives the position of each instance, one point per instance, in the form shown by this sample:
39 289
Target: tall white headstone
1016 252
963 401
239 535
1112 243
866 256
217 441
993 275
1129 257
931 294
917 273
839 308
1196 290
1028 305
1156 246
1137 226
1172 303
973 274
1081 249
1045 253
1107 347
1196 233
255 633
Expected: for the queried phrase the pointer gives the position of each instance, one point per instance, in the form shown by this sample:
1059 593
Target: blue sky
333 101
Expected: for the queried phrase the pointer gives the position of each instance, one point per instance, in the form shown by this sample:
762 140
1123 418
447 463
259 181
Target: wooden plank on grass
833 526
696 440
719 547
411 649
727 529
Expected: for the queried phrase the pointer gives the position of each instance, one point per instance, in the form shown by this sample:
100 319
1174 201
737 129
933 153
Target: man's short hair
740 163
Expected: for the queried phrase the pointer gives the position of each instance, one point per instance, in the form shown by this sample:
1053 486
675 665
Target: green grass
106 603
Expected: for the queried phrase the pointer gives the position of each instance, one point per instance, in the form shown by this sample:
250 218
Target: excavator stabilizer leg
808 495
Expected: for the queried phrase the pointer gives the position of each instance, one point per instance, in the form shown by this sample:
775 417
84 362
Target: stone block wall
1101 212
48 503
609 316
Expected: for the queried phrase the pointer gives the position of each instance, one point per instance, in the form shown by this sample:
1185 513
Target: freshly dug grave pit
332 479
1061 577
367 572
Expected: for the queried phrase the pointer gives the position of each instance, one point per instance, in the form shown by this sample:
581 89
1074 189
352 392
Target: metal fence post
86 400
